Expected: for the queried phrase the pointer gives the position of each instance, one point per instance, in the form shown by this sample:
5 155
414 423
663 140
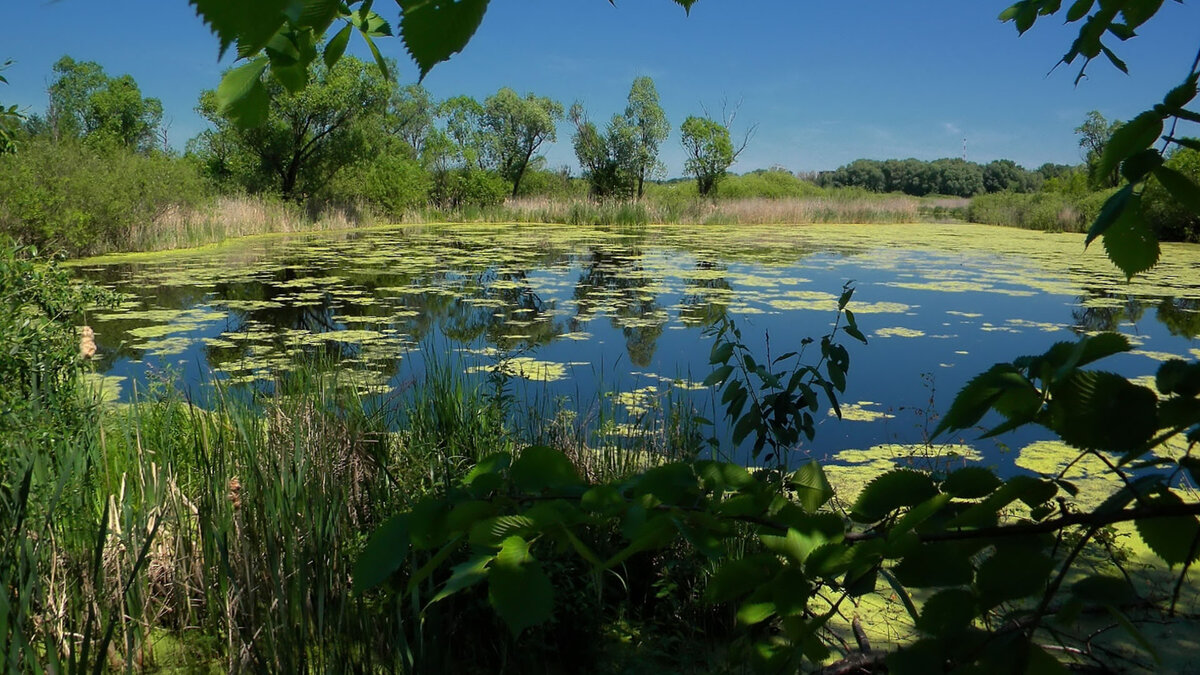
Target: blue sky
825 82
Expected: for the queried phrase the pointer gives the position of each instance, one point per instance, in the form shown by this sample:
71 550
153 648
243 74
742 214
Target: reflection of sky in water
595 311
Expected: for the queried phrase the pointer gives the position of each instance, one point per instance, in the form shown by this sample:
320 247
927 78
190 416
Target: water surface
584 317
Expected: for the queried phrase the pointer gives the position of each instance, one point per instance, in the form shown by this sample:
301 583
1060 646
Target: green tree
710 151
307 136
611 161
515 128
1093 138
463 130
86 103
10 120
410 116
650 126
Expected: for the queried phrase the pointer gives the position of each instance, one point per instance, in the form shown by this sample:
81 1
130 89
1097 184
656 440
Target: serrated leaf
463 576
1131 243
1139 133
1012 572
1137 13
385 552
1078 10
493 531
1095 410
890 491
1180 186
518 589
1181 95
1113 207
811 486
971 482
1141 164
1170 538
1104 590
735 578
337 46
237 83
934 565
249 24
543 468
981 394
948 612
434 30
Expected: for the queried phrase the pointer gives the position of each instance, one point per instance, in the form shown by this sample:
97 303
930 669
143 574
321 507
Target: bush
768 185
1171 220
1050 211
39 347
468 187
71 198
389 184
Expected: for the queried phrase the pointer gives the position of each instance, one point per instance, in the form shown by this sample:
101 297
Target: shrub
390 184
78 200
1170 219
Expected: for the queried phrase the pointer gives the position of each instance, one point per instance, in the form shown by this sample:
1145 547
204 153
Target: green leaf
518 589
1012 572
982 393
463 576
1190 143
811 486
1104 590
337 46
1141 164
1180 186
948 612
718 376
736 578
1131 243
1137 13
1139 133
250 24
1181 95
385 552
1113 207
241 94
493 531
1079 9
318 14
721 352
1170 538
543 468
933 565
434 30
380 62
1095 410
971 482
890 491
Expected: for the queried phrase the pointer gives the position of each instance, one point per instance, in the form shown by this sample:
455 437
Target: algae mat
571 313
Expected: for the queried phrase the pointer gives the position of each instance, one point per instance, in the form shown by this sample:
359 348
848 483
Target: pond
584 317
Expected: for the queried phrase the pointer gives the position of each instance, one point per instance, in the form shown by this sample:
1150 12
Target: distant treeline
951 177
96 170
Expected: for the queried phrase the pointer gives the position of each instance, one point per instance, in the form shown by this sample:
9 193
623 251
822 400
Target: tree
1005 175
650 127
611 160
410 116
463 119
710 150
10 120
1094 134
86 103
307 136
515 128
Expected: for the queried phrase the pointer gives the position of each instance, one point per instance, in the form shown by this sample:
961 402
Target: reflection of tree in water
1109 310
616 282
704 302
1102 310
510 313
1181 316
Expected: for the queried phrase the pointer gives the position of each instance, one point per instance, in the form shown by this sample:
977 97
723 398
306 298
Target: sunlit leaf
518 589
1131 243
890 491
434 30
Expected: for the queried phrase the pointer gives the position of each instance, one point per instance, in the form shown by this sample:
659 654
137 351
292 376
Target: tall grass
161 534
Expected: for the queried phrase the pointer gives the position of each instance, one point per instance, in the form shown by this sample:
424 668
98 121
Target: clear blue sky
826 82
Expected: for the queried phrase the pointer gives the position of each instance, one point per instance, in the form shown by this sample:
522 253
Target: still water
585 317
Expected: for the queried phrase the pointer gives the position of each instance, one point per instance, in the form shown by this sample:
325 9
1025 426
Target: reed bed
162 534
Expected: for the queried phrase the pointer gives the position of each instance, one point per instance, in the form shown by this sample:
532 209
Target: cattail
235 492
87 342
